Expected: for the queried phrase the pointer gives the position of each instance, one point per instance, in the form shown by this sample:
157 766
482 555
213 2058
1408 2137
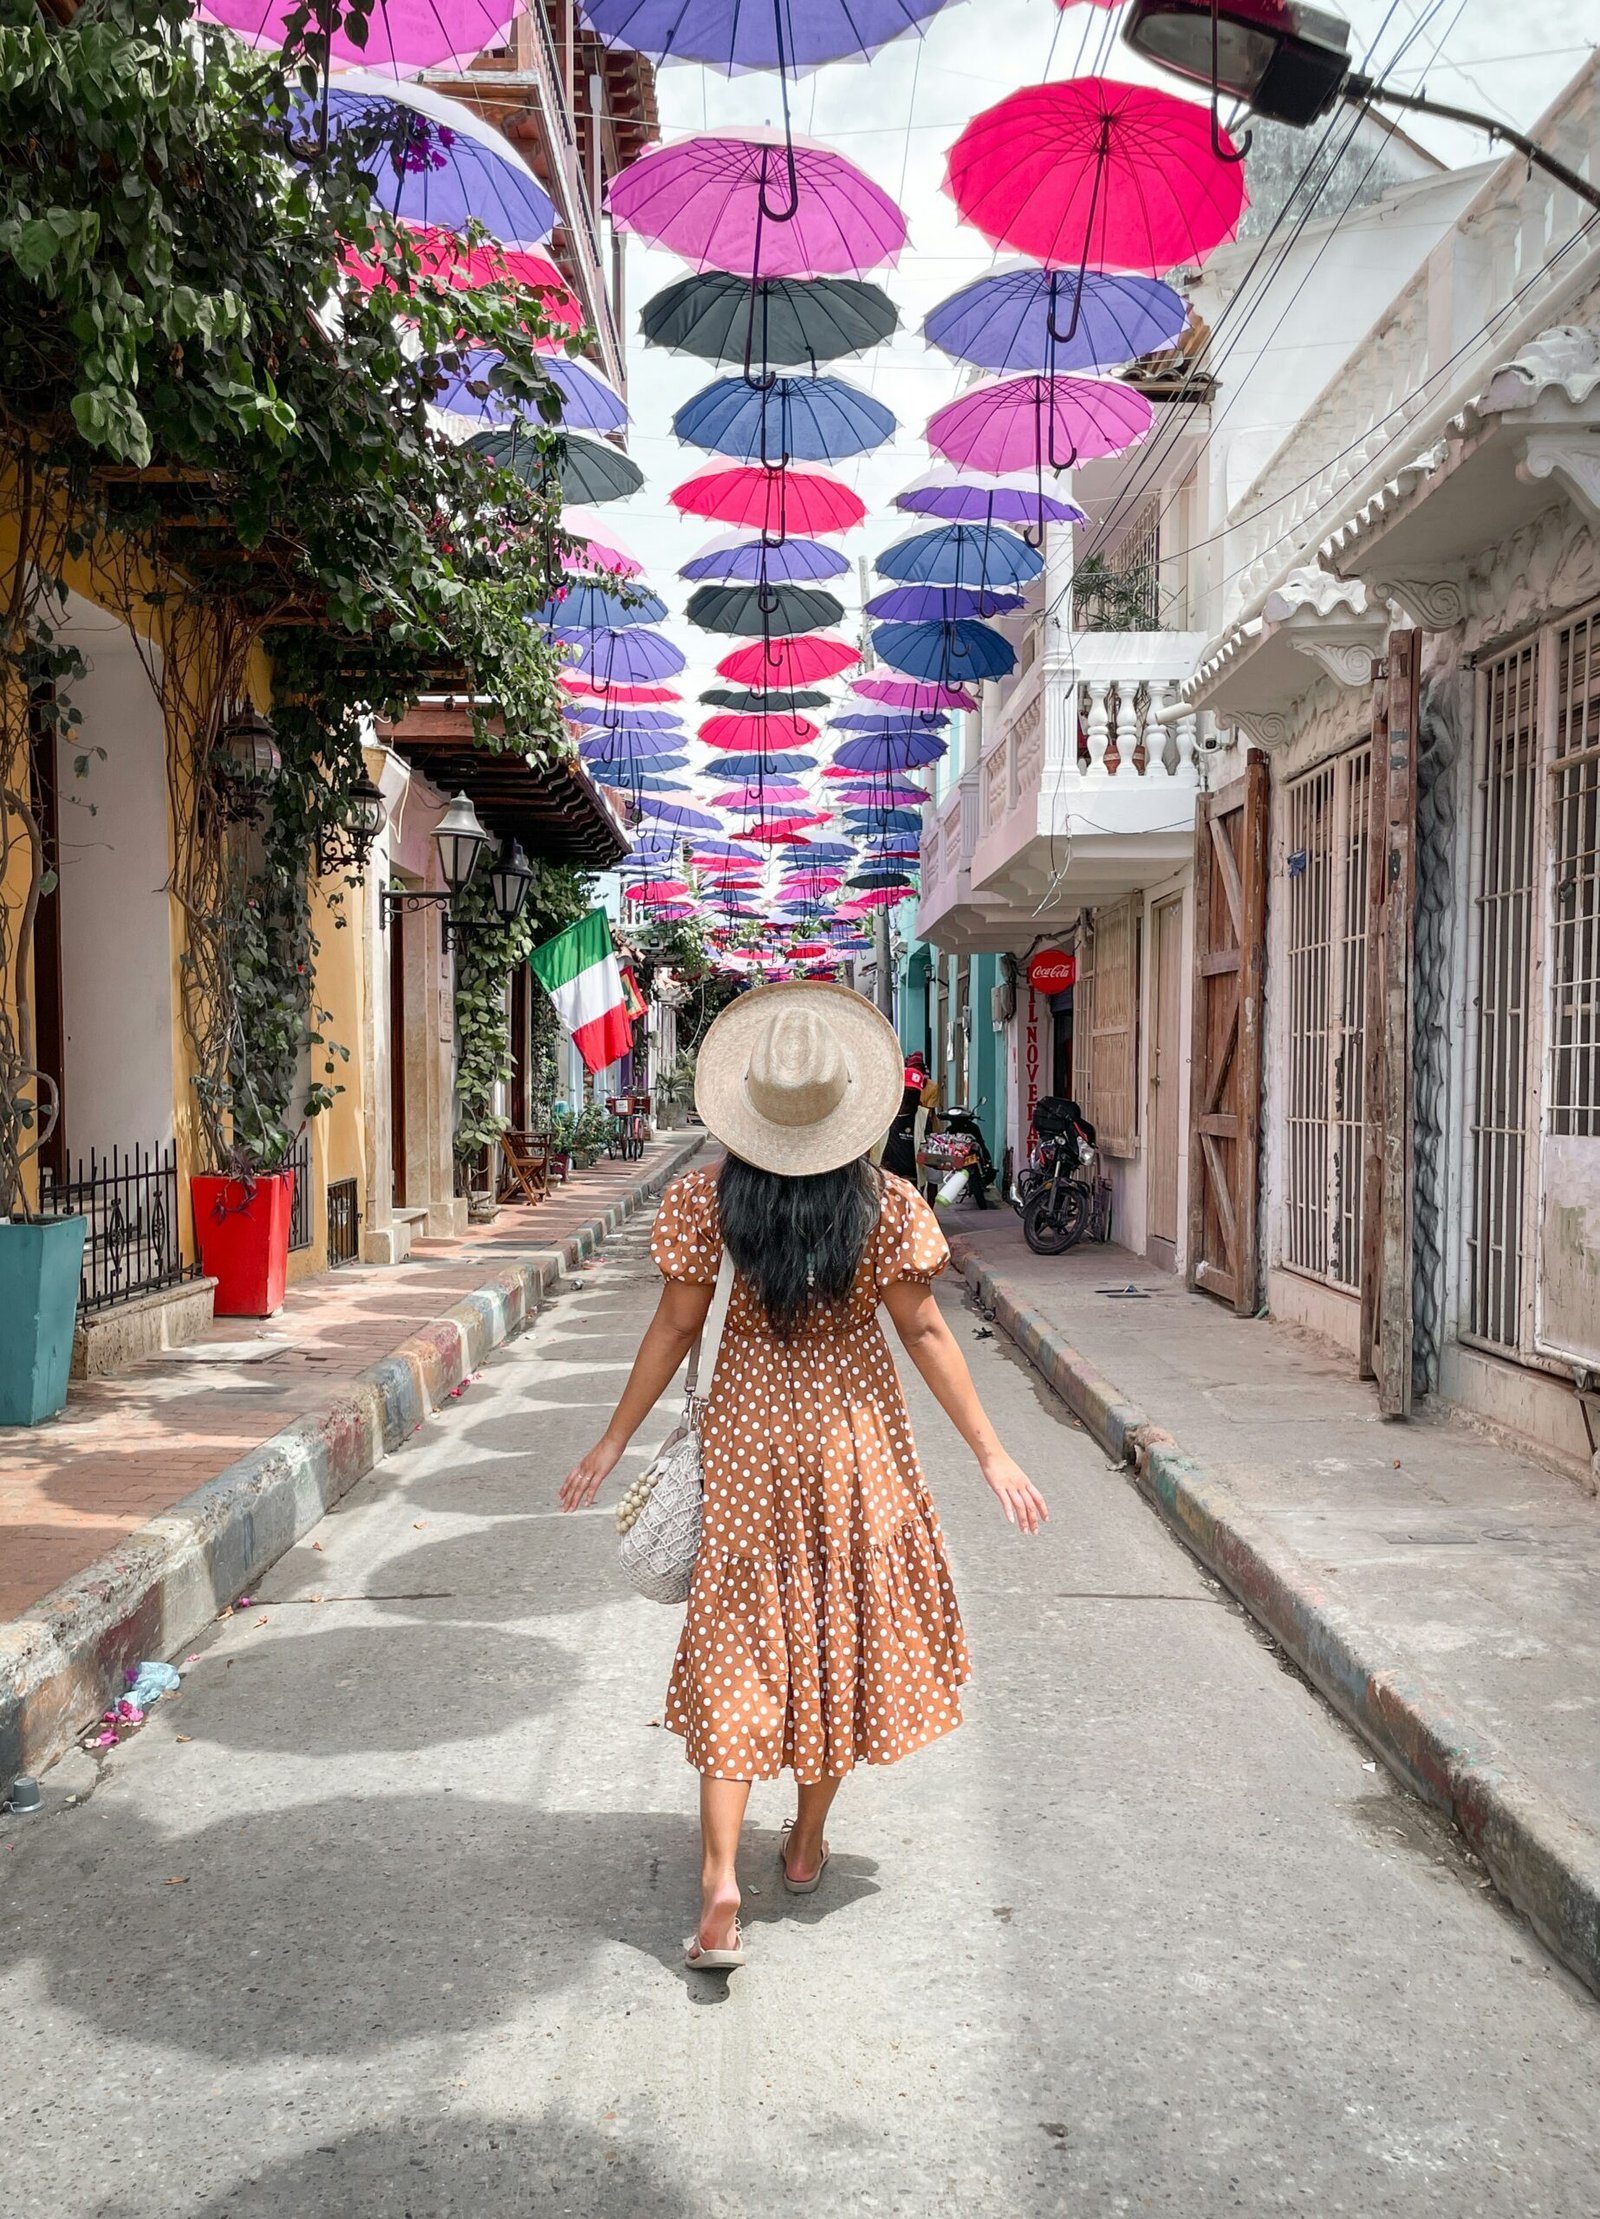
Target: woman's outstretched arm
932 1347
671 1333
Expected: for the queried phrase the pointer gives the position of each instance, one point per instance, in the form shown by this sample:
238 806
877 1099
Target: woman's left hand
590 1474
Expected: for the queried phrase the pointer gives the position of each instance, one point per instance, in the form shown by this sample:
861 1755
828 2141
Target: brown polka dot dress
822 1629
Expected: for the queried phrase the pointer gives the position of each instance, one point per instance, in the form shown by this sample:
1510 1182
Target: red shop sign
1052 971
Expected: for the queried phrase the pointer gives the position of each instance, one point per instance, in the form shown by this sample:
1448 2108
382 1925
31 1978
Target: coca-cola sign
1052 971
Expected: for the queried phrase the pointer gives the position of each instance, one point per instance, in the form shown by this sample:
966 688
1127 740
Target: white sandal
800 1887
699 1959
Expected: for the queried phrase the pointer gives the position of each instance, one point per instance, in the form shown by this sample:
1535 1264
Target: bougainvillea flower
467 269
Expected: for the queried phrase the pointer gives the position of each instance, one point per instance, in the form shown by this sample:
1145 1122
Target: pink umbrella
404 37
771 733
741 202
600 545
468 269
783 792
780 504
786 828
1090 173
1032 423
804 661
618 696
906 693
664 889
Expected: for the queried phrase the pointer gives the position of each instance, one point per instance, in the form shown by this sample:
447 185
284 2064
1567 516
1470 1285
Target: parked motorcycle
959 1145
1056 1191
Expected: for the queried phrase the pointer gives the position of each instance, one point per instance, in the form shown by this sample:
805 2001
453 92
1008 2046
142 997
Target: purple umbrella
636 657
739 35
447 167
905 693
862 721
734 560
886 751
958 498
1034 423
718 202
939 604
752 764
781 791
589 402
1023 317
632 747
677 817
404 37
881 793
623 719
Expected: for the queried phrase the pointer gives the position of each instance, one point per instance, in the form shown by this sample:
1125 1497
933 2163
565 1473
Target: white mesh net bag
658 1518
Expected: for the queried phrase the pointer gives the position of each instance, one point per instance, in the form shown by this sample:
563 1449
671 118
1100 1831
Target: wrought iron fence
298 1164
344 1223
131 1244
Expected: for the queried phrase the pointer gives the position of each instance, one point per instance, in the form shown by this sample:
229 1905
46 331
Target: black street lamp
247 753
509 881
1290 63
461 841
348 844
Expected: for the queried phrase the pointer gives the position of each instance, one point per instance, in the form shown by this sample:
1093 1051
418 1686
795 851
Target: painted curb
63 1660
1541 1858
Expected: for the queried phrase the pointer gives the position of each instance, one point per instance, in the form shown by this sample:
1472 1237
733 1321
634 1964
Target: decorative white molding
1570 458
1310 591
1565 360
1267 727
1551 564
1434 602
1348 657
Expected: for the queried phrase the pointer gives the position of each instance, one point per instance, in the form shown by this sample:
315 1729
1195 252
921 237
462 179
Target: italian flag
579 971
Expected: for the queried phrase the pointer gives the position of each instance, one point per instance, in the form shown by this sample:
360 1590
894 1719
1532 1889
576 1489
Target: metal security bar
131 1243
1502 907
1327 865
344 1224
298 1165
1574 800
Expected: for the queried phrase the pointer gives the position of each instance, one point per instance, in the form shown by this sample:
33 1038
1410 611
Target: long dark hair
797 1241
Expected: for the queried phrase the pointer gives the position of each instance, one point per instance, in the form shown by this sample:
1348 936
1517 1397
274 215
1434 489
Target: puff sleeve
686 1242
915 1247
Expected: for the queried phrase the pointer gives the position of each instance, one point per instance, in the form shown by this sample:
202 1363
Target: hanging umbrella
739 35
613 697
884 897
887 751
861 720
600 547
783 793
403 37
786 828
588 469
789 662
589 402
819 419
885 822
441 165
756 612
745 202
636 781
1027 318
965 650
634 656
660 889
678 818
779 504
734 560
810 853
963 499
757 734
959 555
1034 423
889 793
450 261
624 716
939 604
749 701
634 747
583 606
874 881
904 693
1089 173
785 805
729 850
756 763
783 322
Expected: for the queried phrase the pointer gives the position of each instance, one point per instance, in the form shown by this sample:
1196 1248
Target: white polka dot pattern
822 1630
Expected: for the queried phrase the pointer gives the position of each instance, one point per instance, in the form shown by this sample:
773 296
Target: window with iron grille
1326 986
1121 592
1502 912
1574 800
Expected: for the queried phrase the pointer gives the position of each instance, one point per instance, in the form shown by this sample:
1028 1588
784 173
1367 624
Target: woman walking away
822 1628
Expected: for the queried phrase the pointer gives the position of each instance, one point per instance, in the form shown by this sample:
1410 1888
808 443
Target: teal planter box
40 1266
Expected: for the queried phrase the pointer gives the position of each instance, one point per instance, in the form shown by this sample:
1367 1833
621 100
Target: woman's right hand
590 1474
1018 1497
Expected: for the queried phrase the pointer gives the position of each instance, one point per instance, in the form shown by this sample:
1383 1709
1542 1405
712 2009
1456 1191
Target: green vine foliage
488 952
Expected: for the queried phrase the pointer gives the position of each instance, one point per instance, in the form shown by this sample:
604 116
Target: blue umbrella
945 654
589 402
736 560
445 167
588 607
808 852
888 720
792 420
961 555
885 820
631 657
1028 318
887 751
625 716
763 766
738 35
652 754
939 604
675 817
648 782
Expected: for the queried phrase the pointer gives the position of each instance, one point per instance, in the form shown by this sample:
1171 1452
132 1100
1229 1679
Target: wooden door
1166 1075
397 1059
1229 970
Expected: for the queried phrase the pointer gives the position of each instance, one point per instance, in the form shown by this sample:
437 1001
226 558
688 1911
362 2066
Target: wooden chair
527 1166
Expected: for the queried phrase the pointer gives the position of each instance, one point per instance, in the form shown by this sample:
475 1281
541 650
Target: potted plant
241 1227
589 1130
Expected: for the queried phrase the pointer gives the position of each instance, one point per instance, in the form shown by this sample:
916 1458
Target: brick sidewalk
126 1448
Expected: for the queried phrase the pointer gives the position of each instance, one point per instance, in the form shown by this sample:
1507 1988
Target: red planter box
243 1236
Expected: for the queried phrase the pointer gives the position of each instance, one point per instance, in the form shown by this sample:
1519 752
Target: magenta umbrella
734 202
1039 423
906 693
1086 173
404 37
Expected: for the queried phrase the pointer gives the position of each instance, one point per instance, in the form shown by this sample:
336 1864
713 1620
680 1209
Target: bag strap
709 1346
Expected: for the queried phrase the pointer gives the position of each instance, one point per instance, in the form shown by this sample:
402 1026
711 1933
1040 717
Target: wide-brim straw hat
800 1077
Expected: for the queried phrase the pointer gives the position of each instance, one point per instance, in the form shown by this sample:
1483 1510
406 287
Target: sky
897 116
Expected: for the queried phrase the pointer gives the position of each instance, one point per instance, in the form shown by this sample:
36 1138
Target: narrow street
383 1914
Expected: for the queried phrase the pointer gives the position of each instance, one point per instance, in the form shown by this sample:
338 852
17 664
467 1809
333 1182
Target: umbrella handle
792 179
1063 338
768 378
1218 149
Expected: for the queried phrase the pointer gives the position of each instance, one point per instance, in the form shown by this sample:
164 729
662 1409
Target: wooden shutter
1230 965
1111 1061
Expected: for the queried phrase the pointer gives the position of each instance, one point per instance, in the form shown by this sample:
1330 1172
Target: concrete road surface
383 1914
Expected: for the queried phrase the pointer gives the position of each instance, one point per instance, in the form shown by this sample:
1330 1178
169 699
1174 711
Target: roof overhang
554 808
1311 624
